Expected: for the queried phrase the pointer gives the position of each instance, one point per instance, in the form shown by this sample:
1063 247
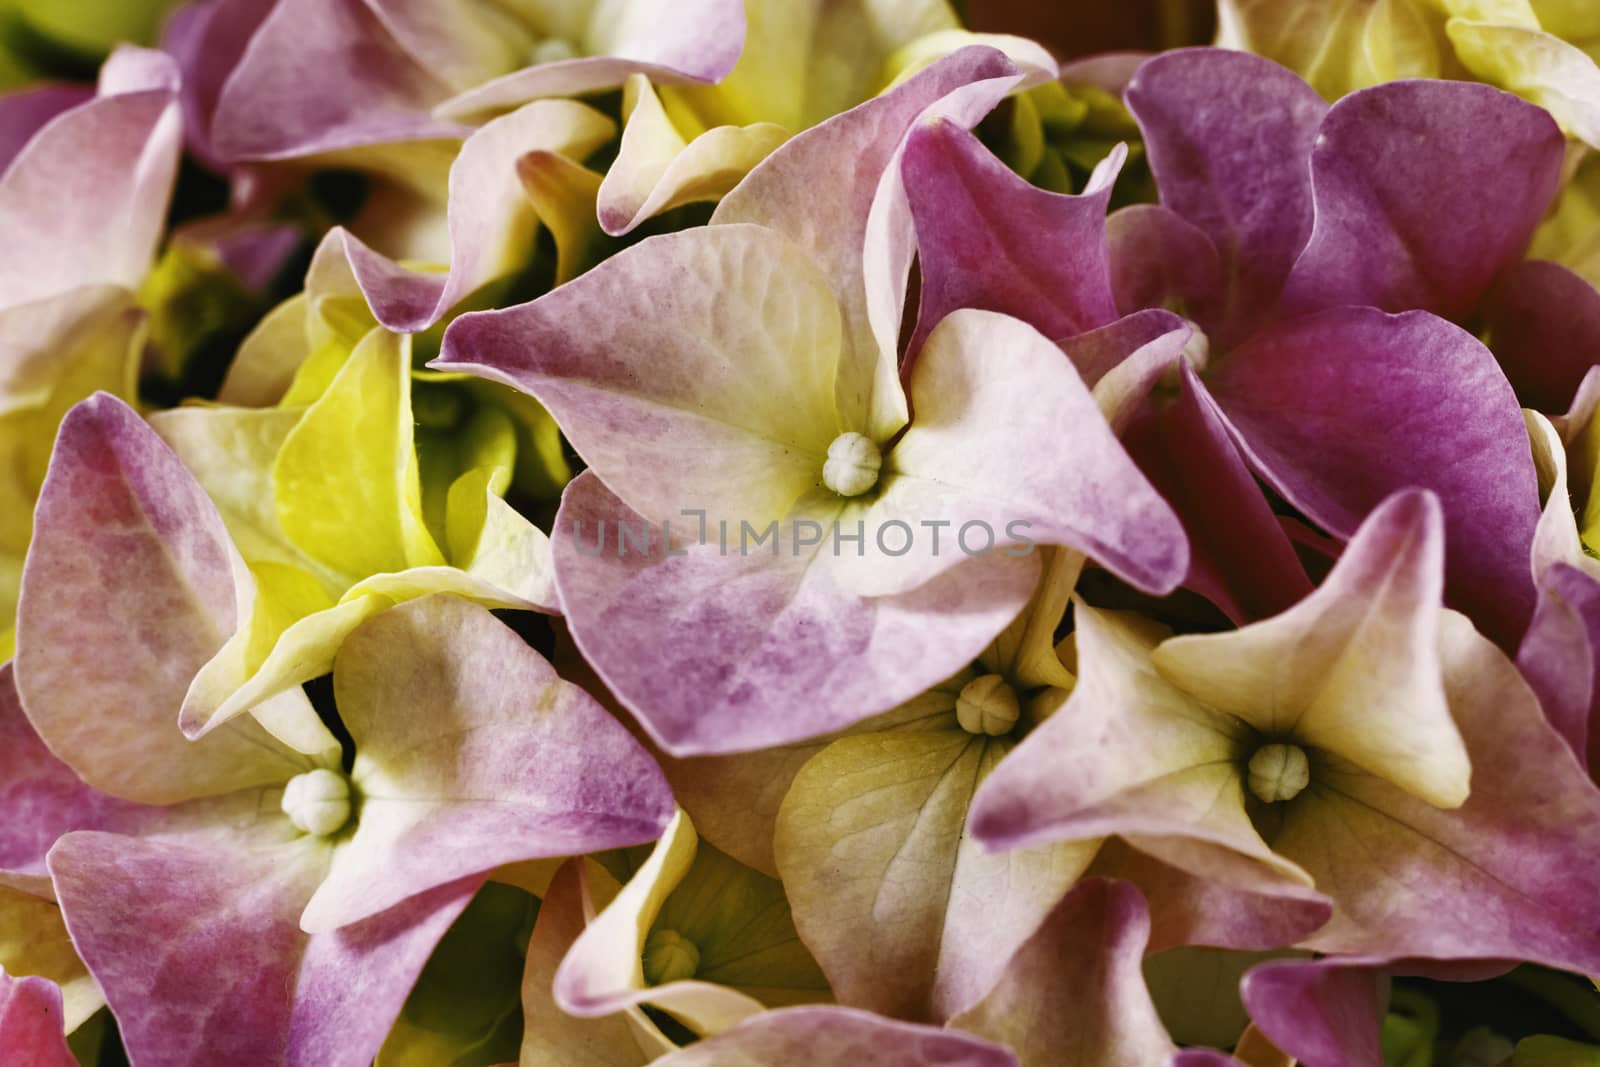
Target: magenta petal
1544 327
335 78
1339 409
1411 212
1560 656
1242 560
1098 352
829 1035
43 798
31 1024
197 945
1325 1013
128 590
472 753
1229 136
1160 259
987 239
718 653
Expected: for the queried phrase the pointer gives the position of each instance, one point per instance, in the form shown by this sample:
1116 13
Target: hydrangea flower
469 752
1350 744
1286 238
779 401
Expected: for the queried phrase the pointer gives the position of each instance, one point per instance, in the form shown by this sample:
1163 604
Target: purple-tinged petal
1186 909
1201 1057
492 222
24 112
1411 212
197 944
84 202
1560 657
32 1030
1560 653
1543 324
43 798
696 370
336 79
669 40
1229 137
1111 71
721 653
208 38
1240 558
836 212
987 239
1160 259
1339 409
471 752
1324 1013
1096 353
129 589
1492 879
1130 754
837 1035
1006 434
1353 670
1074 995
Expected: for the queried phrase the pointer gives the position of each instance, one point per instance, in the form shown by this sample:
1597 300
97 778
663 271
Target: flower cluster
783 532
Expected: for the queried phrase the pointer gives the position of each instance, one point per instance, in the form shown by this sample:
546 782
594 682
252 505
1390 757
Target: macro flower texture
799 533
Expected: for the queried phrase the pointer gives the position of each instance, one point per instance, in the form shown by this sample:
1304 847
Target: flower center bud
1278 772
853 464
553 50
669 957
317 802
988 705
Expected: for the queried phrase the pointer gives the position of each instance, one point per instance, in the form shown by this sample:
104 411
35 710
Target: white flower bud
1278 772
317 802
669 957
988 705
853 464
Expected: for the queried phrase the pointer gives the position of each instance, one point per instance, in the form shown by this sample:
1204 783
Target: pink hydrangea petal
198 946
718 653
1544 327
1341 408
1229 137
128 590
1411 212
472 753
987 239
837 1035
31 1023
